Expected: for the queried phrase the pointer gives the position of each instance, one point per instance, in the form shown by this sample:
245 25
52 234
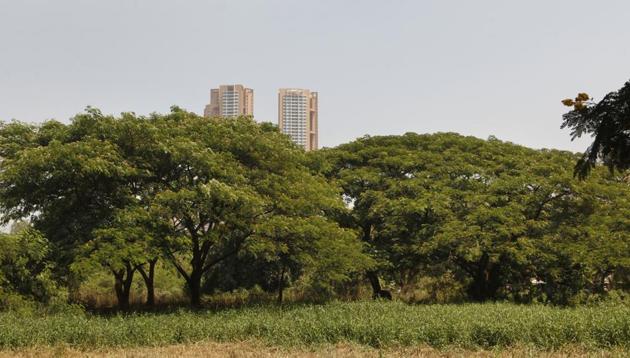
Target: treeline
229 204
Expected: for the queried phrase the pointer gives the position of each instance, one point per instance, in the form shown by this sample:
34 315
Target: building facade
297 116
230 101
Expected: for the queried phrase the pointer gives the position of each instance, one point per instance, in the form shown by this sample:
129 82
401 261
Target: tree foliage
231 203
121 192
489 211
608 121
25 267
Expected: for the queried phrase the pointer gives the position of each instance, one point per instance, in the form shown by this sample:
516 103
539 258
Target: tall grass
375 324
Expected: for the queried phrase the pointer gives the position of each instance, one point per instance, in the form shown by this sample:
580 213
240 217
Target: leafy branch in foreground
608 121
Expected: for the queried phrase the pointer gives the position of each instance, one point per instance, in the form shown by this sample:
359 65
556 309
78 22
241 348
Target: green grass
375 324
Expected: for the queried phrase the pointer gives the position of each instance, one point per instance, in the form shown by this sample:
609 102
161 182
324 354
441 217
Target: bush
11 301
25 272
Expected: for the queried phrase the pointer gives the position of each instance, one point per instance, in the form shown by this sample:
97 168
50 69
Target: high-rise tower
297 116
230 101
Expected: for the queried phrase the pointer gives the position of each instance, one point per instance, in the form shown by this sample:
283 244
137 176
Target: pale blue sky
382 67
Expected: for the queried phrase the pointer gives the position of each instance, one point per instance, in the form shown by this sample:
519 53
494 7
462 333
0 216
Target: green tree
66 179
71 180
311 247
589 254
496 214
298 240
223 183
125 246
205 185
393 209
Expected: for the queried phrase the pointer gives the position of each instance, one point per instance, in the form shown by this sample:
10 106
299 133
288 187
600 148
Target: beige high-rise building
297 116
230 101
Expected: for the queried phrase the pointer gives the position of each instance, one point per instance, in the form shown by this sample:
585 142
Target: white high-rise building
297 116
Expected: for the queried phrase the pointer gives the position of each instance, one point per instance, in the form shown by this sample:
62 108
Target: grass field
372 325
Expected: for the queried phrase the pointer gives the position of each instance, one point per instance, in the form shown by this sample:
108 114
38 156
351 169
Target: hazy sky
381 67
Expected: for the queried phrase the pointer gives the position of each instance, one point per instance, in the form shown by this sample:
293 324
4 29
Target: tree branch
177 265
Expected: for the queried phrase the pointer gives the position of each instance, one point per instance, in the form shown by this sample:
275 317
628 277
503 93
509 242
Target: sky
484 67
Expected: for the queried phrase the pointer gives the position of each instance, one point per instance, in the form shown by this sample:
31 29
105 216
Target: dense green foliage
608 121
25 274
509 222
467 326
125 192
230 204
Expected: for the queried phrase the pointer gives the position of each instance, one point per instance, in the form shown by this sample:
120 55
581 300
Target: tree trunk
194 287
122 285
149 278
128 281
476 290
486 281
199 263
376 284
123 303
377 290
280 285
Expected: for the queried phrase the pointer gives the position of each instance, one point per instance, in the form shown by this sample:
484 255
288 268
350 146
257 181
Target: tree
498 217
608 121
311 247
72 180
392 208
298 240
589 254
121 191
67 179
495 214
223 181
124 247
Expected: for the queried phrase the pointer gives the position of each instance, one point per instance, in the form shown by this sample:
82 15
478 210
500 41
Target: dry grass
256 349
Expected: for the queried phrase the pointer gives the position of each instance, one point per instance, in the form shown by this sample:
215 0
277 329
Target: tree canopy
229 203
196 191
488 211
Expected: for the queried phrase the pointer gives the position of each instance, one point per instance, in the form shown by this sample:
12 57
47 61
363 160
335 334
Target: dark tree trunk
194 287
476 290
199 263
122 285
376 284
377 289
280 285
486 280
280 290
123 302
149 279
